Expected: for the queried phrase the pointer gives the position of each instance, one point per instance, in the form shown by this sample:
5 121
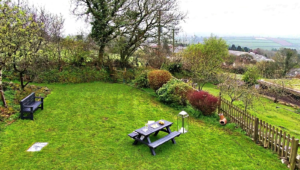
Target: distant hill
263 42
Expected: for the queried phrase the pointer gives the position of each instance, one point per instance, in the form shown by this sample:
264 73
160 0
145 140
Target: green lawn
293 83
266 110
87 125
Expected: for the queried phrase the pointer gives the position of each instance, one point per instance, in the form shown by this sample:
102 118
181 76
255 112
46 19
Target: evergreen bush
141 80
174 92
251 76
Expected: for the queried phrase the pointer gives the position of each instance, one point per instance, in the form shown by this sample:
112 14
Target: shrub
174 92
204 102
297 76
72 75
251 76
175 68
142 81
238 69
157 78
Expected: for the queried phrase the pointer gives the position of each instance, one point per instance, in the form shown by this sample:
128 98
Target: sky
260 18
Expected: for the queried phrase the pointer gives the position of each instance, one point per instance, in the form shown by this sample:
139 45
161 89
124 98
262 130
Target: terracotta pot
223 120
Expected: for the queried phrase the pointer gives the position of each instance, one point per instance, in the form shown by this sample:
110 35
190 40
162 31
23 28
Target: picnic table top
151 129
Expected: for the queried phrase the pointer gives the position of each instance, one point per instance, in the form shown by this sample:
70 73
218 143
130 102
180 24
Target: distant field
292 83
266 43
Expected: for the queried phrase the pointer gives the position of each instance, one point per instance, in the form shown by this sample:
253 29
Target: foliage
151 57
174 92
205 60
239 48
141 80
203 101
14 95
251 76
231 86
269 69
240 69
141 25
233 47
175 68
30 38
230 60
157 78
73 75
286 59
107 19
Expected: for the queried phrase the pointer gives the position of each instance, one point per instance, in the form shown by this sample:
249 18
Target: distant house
256 57
155 46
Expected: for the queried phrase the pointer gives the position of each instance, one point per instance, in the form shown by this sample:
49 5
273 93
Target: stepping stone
37 147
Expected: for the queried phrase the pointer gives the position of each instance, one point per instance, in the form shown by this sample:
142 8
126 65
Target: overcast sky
277 18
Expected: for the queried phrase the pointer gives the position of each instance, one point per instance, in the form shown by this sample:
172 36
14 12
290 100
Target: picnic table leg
136 141
155 134
169 131
151 149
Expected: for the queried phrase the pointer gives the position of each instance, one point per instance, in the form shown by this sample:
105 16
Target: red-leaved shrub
157 78
203 101
297 76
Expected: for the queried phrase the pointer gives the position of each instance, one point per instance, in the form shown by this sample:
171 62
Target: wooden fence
263 133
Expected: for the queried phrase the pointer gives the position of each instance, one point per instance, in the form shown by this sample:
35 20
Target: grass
293 83
283 117
86 126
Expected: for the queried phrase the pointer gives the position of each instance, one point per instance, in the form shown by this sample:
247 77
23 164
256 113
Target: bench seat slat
35 105
164 139
133 134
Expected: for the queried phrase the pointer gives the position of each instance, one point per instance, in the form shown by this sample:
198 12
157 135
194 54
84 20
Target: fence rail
263 133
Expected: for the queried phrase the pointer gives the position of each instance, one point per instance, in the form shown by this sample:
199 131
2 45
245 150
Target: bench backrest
28 100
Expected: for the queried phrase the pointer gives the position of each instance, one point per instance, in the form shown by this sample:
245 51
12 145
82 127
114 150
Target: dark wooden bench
29 105
164 139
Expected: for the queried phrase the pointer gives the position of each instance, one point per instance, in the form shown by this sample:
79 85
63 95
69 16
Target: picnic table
142 136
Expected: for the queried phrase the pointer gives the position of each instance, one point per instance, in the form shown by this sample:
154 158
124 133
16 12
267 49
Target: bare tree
145 19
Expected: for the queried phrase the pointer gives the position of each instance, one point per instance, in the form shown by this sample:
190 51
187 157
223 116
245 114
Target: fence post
219 106
256 122
293 155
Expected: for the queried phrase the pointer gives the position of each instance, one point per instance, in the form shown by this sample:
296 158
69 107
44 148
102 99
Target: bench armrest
42 98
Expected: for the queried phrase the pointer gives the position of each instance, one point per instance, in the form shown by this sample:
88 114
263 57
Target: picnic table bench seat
164 139
133 135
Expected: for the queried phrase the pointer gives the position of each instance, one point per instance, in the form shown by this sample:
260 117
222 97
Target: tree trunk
21 77
123 59
1 89
101 54
1 79
21 80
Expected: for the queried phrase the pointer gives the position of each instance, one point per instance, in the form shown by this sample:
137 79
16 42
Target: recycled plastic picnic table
142 136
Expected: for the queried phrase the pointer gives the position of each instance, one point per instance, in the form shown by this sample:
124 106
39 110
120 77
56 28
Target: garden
96 89
86 126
